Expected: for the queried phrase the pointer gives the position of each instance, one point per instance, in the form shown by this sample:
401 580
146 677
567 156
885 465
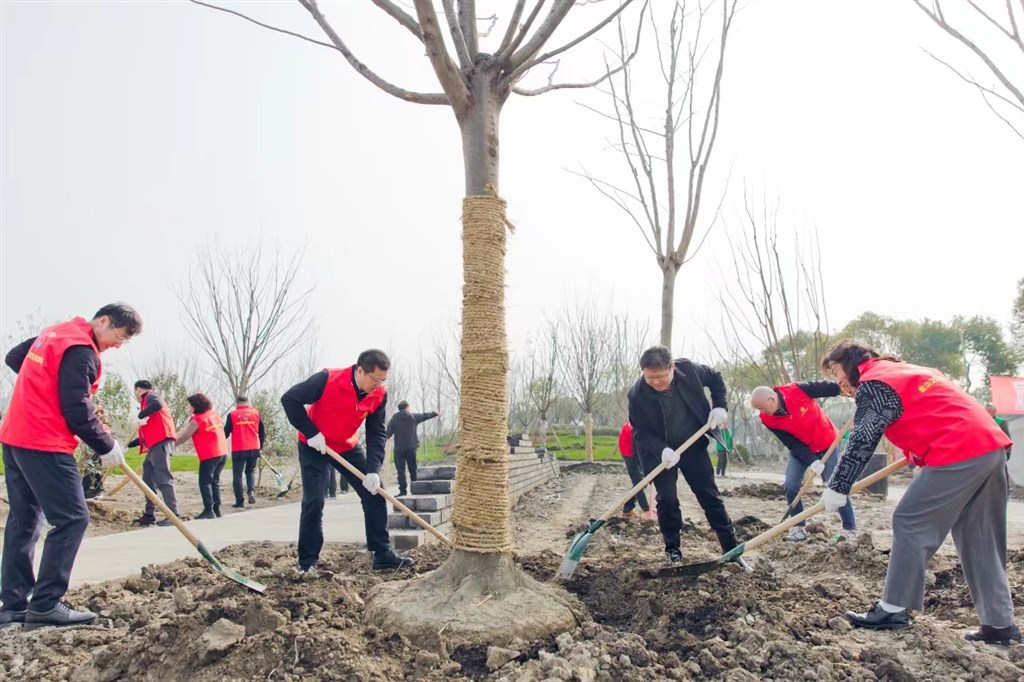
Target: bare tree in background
774 312
246 310
544 387
648 125
629 339
586 361
475 83
175 376
1000 50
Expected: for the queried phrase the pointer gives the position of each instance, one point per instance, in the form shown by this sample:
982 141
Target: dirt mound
592 468
102 512
761 491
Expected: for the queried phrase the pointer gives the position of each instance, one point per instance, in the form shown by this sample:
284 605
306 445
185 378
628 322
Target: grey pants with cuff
969 498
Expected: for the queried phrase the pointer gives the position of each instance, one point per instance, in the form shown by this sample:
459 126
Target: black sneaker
206 514
878 618
9 617
144 520
60 615
989 635
252 499
674 555
384 561
163 523
238 505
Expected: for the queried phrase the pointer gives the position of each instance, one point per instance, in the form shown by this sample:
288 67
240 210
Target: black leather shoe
252 499
384 561
9 617
163 523
216 511
144 520
60 615
991 635
206 514
878 618
238 505
674 555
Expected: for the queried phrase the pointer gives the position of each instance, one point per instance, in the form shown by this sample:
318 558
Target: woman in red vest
206 429
634 469
961 487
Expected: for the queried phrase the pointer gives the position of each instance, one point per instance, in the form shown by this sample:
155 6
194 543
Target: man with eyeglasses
339 401
667 406
51 410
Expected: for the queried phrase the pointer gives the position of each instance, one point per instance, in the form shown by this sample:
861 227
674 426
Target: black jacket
403 427
648 418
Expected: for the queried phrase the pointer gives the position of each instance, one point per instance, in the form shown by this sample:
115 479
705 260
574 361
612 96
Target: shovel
809 477
387 496
580 542
290 482
281 485
206 554
771 533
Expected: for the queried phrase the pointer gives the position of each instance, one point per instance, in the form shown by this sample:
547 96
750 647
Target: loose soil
784 621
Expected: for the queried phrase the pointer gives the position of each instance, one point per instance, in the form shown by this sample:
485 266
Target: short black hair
371 360
143 383
241 399
122 315
200 403
402 405
656 357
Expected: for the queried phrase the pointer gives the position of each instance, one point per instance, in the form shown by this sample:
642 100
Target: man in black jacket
403 427
666 407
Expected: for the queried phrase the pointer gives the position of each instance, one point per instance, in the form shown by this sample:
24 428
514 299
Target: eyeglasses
375 380
120 338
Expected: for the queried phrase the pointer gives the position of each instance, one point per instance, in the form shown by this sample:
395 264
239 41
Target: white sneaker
796 534
849 535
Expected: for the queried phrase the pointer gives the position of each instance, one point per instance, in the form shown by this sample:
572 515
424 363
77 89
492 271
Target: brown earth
782 622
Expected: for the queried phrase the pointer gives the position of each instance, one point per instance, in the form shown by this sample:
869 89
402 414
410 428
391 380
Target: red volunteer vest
940 423
160 425
34 419
806 421
209 440
245 428
338 413
626 440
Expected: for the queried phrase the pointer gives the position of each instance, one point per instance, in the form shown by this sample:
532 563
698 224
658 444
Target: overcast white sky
132 132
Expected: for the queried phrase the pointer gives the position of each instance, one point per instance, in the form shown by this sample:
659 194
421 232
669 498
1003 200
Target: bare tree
246 311
520 409
476 84
629 339
544 387
647 138
999 50
586 361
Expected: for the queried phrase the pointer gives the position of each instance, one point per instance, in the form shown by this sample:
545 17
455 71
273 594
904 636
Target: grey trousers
970 499
156 473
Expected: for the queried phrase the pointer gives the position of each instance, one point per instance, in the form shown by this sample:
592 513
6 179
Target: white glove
817 466
718 417
318 442
669 457
372 483
833 501
114 458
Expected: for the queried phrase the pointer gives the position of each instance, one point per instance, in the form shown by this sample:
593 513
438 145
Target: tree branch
510 30
556 15
467 18
401 16
448 74
571 44
261 24
507 53
458 39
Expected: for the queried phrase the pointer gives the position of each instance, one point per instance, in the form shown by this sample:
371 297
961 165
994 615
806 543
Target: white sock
889 608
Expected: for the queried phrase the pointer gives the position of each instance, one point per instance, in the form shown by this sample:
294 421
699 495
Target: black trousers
209 481
695 466
331 483
314 467
723 462
243 464
40 483
405 459
636 474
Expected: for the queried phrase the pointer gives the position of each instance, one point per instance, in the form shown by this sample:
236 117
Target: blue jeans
795 477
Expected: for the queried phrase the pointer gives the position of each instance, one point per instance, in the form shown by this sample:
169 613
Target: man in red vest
156 432
792 415
634 469
244 426
961 487
51 410
339 402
